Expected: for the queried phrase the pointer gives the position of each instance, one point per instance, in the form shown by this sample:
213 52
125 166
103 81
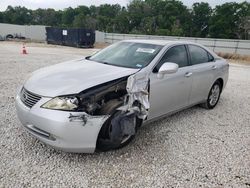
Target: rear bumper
56 129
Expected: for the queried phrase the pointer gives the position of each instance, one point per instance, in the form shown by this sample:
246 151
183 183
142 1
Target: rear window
199 55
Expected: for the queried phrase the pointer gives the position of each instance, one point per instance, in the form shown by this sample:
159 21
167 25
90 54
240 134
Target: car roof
159 42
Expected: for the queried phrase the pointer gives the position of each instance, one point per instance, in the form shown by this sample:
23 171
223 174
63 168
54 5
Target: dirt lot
193 148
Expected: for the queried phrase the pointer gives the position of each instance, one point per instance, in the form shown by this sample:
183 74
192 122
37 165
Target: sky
61 4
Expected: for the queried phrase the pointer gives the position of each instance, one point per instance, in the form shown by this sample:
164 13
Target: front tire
213 96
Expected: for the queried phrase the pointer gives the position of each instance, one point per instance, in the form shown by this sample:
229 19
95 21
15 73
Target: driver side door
170 93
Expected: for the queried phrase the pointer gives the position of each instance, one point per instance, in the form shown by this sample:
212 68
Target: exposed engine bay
92 100
124 101
131 90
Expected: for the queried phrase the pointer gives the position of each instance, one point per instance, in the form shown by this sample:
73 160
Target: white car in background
99 102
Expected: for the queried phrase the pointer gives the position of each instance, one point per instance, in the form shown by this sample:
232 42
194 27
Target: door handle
188 74
214 67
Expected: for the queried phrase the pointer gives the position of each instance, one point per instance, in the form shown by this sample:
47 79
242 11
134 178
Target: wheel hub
214 95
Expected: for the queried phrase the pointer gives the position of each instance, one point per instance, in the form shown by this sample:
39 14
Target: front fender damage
84 118
133 92
138 95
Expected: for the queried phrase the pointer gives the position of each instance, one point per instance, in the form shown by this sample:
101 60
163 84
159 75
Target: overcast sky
61 4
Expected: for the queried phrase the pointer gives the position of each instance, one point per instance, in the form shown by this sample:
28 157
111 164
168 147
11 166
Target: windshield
127 54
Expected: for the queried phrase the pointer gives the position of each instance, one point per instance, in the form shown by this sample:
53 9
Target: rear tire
103 142
213 96
9 36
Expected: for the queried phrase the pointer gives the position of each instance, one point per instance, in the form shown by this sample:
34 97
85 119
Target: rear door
171 92
203 72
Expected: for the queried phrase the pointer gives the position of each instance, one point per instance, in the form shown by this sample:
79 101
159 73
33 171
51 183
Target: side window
199 55
210 57
176 54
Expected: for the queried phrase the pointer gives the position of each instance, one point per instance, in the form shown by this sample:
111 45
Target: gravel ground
193 148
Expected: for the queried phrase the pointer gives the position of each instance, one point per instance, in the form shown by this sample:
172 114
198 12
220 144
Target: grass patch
245 59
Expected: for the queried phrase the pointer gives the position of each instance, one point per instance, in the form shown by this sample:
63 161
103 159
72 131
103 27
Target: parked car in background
99 102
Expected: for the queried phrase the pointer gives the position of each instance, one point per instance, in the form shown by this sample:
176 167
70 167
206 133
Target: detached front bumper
58 130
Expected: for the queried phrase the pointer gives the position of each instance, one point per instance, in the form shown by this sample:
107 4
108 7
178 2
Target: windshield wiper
106 63
103 62
88 58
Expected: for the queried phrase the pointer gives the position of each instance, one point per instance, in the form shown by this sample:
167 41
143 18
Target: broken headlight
62 103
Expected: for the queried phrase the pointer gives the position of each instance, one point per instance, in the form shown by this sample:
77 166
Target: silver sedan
99 102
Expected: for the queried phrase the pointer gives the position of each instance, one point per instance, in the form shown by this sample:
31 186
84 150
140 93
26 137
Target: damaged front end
103 117
133 91
123 103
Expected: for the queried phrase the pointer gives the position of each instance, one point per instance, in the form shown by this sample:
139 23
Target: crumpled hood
73 77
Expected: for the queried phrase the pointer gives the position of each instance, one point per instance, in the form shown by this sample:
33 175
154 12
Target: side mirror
167 68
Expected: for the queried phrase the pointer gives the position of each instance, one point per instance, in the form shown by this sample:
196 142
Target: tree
109 11
82 10
226 20
147 25
122 21
17 15
104 23
135 11
79 20
68 16
1 17
174 16
93 11
244 27
91 23
48 17
201 13
161 17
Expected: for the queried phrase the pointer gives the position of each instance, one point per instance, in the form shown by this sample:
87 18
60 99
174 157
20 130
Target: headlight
62 103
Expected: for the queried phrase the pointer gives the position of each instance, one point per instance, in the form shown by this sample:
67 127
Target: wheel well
110 109
10 36
220 80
